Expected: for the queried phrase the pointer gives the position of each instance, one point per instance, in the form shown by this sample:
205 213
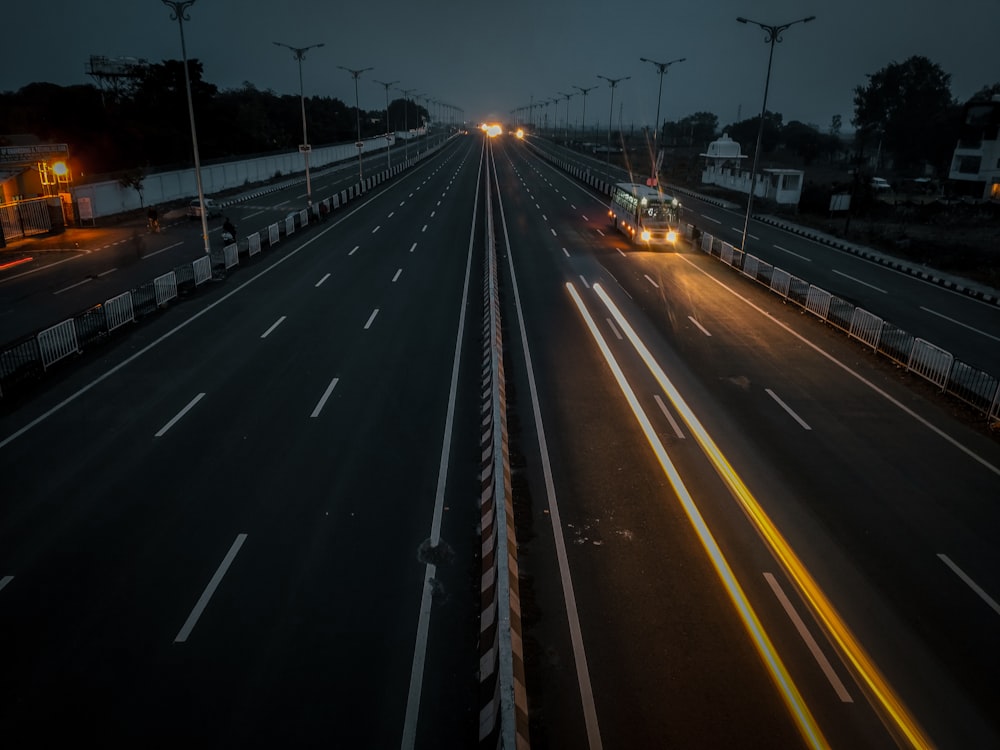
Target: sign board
305 148
651 181
360 144
840 202
85 209
33 153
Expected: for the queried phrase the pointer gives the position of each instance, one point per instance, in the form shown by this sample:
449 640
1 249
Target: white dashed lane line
787 408
396 276
322 280
356 247
371 319
785 250
274 325
177 417
650 280
859 281
699 325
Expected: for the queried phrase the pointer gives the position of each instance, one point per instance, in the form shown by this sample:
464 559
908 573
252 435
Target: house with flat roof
975 164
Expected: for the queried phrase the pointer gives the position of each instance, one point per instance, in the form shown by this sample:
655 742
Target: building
34 186
975 165
723 162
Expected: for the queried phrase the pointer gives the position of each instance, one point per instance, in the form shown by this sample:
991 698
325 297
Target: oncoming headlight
646 235
671 236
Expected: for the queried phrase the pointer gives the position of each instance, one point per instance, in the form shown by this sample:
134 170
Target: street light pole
406 120
388 144
584 91
179 14
568 97
772 35
611 112
299 53
357 111
662 68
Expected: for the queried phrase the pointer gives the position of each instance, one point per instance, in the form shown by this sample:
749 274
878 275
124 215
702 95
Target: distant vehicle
645 214
880 183
211 209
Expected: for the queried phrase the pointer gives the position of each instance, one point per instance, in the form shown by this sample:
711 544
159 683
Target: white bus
645 214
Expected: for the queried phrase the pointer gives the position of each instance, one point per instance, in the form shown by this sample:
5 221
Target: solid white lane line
814 649
378 227
800 257
710 218
970 583
788 409
396 276
110 271
163 250
614 328
322 401
859 281
371 318
71 286
566 252
354 250
322 280
424 229
670 417
650 280
276 323
206 595
181 413
960 323
5 580
413 247
700 326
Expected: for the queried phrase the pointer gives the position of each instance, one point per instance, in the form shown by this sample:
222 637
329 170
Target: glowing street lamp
179 14
772 35
357 110
299 53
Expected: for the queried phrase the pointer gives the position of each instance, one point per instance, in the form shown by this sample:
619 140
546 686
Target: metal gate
25 218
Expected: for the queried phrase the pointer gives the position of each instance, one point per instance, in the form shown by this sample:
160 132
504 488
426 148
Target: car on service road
211 209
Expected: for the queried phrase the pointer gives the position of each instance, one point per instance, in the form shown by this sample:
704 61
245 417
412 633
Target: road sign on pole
360 144
305 148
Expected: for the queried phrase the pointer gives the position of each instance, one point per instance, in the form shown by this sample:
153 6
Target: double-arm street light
406 120
584 91
772 35
357 109
567 97
662 68
388 141
179 14
611 112
299 53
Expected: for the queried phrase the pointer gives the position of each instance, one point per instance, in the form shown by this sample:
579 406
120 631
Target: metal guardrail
975 387
27 359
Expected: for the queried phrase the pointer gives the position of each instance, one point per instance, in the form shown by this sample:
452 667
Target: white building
723 162
976 161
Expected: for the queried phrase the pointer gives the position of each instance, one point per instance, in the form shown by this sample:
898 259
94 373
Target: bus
645 214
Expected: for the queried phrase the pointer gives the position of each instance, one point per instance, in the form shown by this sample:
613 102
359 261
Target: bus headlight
671 236
646 235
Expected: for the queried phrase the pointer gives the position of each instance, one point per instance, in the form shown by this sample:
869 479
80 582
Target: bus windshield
658 212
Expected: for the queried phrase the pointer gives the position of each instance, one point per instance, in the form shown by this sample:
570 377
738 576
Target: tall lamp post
388 143
406 120
611 112
772 35
357 111
584 91
567 97
662 68
299 53
179 14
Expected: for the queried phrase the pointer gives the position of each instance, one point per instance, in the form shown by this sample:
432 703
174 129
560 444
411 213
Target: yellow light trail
848 644
793 699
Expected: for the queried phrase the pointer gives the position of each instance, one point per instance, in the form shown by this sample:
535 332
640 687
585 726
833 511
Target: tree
134 179
806 141
744 132
986 93
835 124
907 107
699 129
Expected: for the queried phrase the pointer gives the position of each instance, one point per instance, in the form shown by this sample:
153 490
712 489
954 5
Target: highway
220 538
736 528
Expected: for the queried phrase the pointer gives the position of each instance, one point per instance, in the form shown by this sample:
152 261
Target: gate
25 218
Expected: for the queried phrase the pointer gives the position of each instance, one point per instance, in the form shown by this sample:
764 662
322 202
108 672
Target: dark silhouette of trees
147 126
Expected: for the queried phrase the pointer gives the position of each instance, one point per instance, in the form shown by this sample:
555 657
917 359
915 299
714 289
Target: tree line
905 112
144 124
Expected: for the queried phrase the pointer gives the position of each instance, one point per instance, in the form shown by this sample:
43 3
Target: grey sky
489 58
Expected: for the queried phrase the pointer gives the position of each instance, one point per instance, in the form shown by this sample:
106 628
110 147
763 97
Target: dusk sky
489 58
